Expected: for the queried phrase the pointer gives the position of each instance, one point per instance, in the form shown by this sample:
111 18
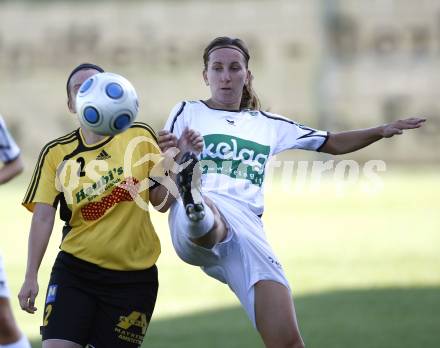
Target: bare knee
297 343
290 340
293 339
291 344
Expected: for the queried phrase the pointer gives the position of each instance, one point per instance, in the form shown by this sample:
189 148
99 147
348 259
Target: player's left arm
11 170
345 142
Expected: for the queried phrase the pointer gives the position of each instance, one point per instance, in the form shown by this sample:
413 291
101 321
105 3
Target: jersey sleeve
43 185
9 150
176 121
292 135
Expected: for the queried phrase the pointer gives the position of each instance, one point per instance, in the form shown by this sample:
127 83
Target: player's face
226 75
75 83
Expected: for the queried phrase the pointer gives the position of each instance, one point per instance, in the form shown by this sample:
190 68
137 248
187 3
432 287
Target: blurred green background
364 267
363 257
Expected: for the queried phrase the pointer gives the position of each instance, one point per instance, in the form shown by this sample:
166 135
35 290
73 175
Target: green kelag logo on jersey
235 157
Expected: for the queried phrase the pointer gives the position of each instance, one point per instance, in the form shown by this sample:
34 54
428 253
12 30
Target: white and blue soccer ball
107 103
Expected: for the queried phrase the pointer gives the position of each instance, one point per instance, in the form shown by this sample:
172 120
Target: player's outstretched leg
189 182
200 218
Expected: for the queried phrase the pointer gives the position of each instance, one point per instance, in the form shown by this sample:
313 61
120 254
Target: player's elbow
158 205
331 146
331 151
163 209
160 199
11 170
19 166
339 144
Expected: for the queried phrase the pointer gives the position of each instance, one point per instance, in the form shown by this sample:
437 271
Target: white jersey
238 145
9 150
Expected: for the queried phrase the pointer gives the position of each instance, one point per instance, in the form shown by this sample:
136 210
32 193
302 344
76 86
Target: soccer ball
107 104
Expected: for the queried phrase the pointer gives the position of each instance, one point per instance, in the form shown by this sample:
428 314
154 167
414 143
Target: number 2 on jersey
82 163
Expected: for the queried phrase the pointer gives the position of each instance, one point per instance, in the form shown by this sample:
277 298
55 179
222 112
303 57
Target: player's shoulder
272 117
64 140
141 128
194 103
181 111
56 148
185 106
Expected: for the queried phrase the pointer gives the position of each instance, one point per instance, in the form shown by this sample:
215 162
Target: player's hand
190 141
166 140
27 295
397 127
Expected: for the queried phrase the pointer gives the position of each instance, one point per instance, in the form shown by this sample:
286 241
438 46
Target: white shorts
4 291
241 260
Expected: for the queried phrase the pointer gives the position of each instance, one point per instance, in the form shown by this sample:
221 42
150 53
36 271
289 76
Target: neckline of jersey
209 107
94 145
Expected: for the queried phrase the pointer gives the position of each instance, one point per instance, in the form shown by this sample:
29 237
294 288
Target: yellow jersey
103 193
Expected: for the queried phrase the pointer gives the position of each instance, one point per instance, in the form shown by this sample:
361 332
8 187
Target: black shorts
87 304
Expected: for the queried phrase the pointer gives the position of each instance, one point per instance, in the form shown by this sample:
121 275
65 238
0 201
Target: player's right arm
41 229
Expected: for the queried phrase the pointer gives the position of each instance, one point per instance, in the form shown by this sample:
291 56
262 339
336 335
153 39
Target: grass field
364 268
